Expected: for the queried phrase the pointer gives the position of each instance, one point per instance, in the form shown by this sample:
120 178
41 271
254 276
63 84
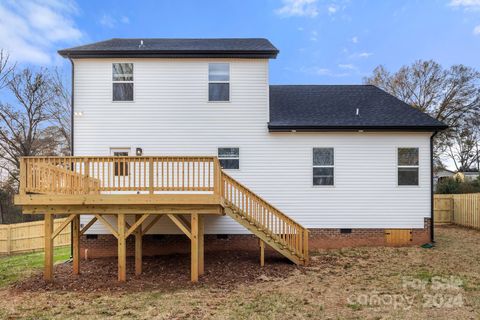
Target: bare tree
464 151
450 95
5 68
60 111
23 126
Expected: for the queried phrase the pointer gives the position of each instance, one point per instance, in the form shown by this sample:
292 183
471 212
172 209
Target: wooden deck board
118 199
122 209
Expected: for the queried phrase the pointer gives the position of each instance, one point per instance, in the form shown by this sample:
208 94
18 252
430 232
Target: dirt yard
373 283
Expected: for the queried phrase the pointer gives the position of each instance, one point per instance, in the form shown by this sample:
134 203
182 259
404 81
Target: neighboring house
351 163
468 176
441 174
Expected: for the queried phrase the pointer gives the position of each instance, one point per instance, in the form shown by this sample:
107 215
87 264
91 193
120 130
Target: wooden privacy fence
461 209
29 237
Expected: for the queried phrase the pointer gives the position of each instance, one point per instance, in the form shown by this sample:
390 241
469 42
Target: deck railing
87 175
84 175
266 217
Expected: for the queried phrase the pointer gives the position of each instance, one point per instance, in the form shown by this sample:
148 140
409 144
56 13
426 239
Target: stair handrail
298 244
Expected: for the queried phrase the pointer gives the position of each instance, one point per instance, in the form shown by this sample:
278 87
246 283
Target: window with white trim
229 158
122 82
407 166
218 82
323 166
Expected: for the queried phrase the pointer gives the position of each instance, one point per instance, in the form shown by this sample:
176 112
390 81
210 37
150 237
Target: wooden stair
273 227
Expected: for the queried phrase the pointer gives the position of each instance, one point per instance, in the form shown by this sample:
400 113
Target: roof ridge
324 85
175 48
164 38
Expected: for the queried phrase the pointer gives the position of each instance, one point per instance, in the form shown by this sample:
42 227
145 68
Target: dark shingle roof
334 107
183 48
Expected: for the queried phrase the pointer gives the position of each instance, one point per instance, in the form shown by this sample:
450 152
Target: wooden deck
182 189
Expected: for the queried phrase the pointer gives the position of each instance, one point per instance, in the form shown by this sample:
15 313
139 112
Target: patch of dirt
224 269
349 283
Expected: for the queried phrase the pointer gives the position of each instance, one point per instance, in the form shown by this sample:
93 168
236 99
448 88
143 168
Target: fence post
305 246
9 239
23 176
452 209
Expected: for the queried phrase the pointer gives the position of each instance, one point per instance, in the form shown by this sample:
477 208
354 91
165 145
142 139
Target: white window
122 78
229 158
120 167
323 166
408 166
218 82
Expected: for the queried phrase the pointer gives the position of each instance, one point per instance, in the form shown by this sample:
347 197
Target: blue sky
320 42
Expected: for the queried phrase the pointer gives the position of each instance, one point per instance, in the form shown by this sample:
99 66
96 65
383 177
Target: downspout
71 143
432 222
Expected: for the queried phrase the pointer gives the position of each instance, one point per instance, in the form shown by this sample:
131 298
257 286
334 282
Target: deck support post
48 272
76 244
122 249
201 247
194 247
138 247
262 253
305 247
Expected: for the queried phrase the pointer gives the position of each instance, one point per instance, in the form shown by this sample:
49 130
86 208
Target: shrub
455 185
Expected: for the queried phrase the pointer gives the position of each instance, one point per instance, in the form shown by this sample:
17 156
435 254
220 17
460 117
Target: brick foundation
334 238
106 245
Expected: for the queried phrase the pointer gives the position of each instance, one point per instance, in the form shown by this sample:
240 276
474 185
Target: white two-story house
191 131
350 162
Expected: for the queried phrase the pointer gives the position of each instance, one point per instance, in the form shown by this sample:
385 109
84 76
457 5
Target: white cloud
332 9
364 54
355 39
32 30
472 4
347 66
322 71
476 30
319 71
110 22
107 21
358 55
299 8
314 36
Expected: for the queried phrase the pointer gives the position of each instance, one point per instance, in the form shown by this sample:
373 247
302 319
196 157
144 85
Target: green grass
355 306
19 265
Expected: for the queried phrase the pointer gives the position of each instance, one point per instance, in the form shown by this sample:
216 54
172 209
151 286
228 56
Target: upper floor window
229 158
323 166
122 77
408 166
218 82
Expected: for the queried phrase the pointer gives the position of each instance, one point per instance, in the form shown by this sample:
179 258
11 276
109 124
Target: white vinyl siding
172 116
